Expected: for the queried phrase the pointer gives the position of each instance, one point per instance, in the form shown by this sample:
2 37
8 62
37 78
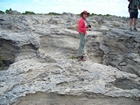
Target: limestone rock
43 51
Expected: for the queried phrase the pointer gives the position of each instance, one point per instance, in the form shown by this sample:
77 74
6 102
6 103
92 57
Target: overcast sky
113 7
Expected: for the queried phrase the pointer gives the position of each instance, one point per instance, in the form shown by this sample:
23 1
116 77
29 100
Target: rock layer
44 49
53 99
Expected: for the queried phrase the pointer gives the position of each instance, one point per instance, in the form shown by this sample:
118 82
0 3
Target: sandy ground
53 99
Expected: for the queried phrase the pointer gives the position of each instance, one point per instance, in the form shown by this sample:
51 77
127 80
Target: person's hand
87 28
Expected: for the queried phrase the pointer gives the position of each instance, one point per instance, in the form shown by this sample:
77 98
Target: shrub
99 15
53 13
28 13
93 14
107 15
8 11
1 12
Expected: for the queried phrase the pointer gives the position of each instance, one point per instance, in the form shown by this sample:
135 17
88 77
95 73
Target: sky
113 7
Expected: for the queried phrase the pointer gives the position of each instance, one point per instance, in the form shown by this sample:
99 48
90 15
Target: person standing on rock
133 10
82 28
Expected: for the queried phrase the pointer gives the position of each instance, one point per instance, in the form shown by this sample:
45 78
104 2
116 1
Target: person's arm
139 4
80 26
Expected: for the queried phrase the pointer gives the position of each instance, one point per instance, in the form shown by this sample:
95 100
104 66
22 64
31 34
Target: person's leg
131 20
135 21
82 44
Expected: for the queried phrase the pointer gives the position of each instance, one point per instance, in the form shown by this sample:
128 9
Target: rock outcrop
40 52
118 46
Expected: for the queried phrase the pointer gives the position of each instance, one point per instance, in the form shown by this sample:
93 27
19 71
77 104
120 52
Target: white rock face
41 52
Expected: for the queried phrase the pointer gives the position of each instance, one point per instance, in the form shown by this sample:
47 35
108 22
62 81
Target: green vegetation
53 13
107 15
74 57
1 59
93 14
1 63
28 13
1 12
8 11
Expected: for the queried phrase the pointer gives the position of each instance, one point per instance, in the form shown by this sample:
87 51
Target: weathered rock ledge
40 52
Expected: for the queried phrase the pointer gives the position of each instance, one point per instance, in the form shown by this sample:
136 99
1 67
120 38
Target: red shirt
82 28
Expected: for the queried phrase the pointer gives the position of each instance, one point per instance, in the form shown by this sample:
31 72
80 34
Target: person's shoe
81 58
135 29
131 29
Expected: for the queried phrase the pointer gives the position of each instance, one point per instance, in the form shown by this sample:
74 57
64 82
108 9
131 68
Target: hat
84 12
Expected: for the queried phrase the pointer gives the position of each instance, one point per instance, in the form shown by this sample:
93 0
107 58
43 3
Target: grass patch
3 66
1 59
1 63
74 57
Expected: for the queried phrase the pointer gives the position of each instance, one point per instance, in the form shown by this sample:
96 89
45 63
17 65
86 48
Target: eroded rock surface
43 52
53 99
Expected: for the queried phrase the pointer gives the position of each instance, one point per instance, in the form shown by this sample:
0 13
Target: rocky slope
38 54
